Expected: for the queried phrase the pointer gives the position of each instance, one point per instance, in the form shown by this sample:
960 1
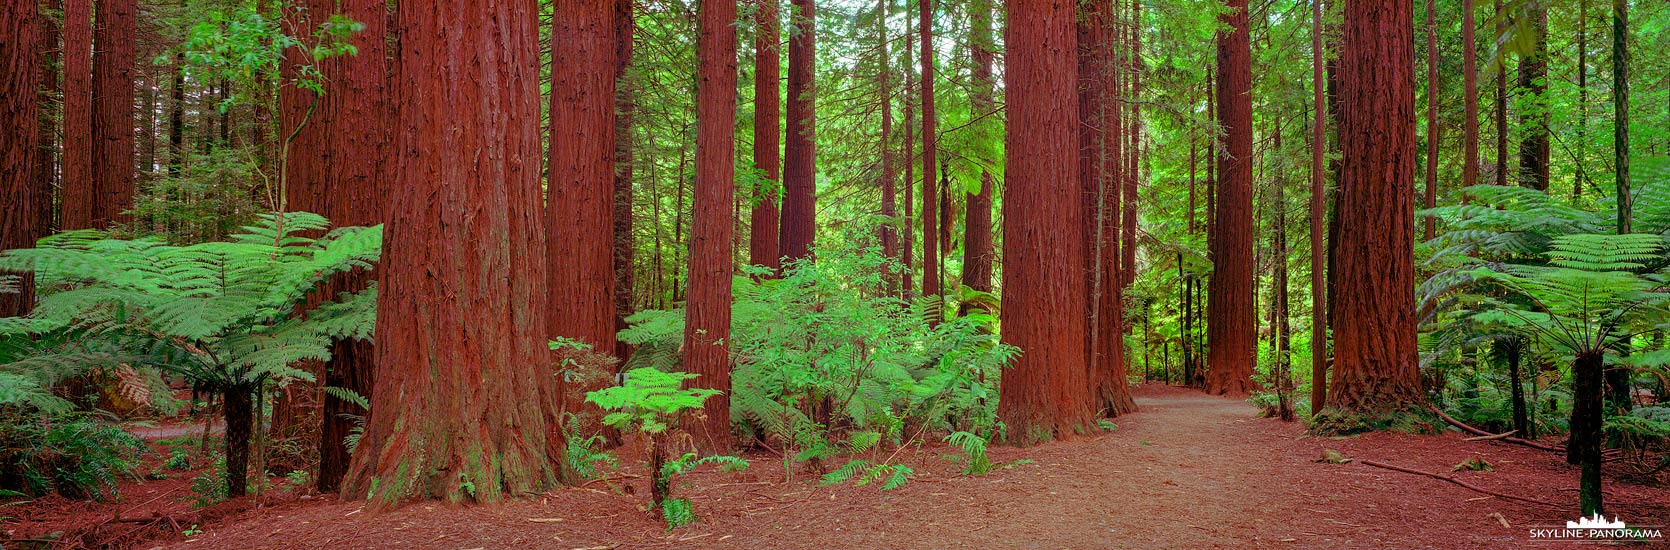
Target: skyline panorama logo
1598 528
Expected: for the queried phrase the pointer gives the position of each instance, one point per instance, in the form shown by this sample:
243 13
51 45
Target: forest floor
1187 471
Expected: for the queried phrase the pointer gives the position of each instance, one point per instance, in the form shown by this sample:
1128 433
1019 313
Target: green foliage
78 456
585 453
974 450
209 487
648 401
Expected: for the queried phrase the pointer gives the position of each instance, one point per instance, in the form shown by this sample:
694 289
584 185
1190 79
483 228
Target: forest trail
1187 471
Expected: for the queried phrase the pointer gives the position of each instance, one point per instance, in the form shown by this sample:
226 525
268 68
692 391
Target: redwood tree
78 203
931 279
799 213
466 407
113 82
358 118
1470 93
1534 148
763 246
889 173
977 223
1318 146
708 312
19 121
1043 395
1375 367
1230 318
580 208
625 108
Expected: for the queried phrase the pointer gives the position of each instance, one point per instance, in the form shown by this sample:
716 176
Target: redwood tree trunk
20 56
112 146
708 311
580 208
1431 222
1376 368
359 120
889 175
626 107
1099 190
977 223
1043 395
1534 149
79 196
930 156
1470 91
1231 325
1318 146
466 404
763 245
799 220
909 249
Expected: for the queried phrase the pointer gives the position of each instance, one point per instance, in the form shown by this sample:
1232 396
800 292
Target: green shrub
77 456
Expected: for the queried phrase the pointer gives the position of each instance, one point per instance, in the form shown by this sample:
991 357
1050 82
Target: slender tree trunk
1534 149
909 250
47 162
1133 154
466 407
1376 368
113 82
799 219
1100 199
1470 93
359 119
1584 447
626 107
889 173
931 279
1501 104
1514 348
1043 394
78 206
707 331
1432 128
580 209
1278 297
1318 189
1581 175
1230 317
978 253
763 246
1620 115
20 55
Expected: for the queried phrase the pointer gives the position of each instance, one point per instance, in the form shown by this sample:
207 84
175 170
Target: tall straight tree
708 311
931 278
78 197
978 253
1470 93
1501 102
19 121
1533 69
1044 395
1620 112
114 46
1431 116
1133 152
358 117
799 218
908 251
1231 324
1099 189
1318 149
580 208
625 106
763 246
467 408
50 111
889 173
1376 366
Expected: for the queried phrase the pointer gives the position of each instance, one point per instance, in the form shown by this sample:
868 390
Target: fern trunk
238 408
1521 419
1584 447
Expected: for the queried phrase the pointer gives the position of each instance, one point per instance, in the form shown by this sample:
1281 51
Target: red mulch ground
1187 471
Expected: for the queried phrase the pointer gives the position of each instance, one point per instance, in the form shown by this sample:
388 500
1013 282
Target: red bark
112 143
1375 366
1043 395
1231 327
708 312
978 253
931 280
1470 91
1432 128
46 165
1318 188
763 245
1132 154
1099 192
78 201
799 215
889 175
625 106
466 404
909 249
19 121
580 209
357 116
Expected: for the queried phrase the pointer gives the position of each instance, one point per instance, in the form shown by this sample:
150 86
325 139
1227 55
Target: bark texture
625 109
113 83
708 312
1533 69
763 245
79 194
1318 188
978 253
799 214
1231 325
1375 366
466 403
20 195
889 172
580 206
1470 91
1043 395
931 264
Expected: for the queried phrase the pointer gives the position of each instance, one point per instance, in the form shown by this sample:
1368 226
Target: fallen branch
1503 435
1487 435
1458 482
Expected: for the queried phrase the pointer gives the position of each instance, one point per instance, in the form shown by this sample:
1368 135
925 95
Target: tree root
1484 435
1458 482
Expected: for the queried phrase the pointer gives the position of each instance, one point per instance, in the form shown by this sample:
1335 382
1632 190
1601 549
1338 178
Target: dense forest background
852 218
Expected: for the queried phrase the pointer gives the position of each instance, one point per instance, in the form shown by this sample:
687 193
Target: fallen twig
1457 482
1502 435
1496 437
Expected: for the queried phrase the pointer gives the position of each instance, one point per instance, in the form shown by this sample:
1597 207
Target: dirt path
1187 471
